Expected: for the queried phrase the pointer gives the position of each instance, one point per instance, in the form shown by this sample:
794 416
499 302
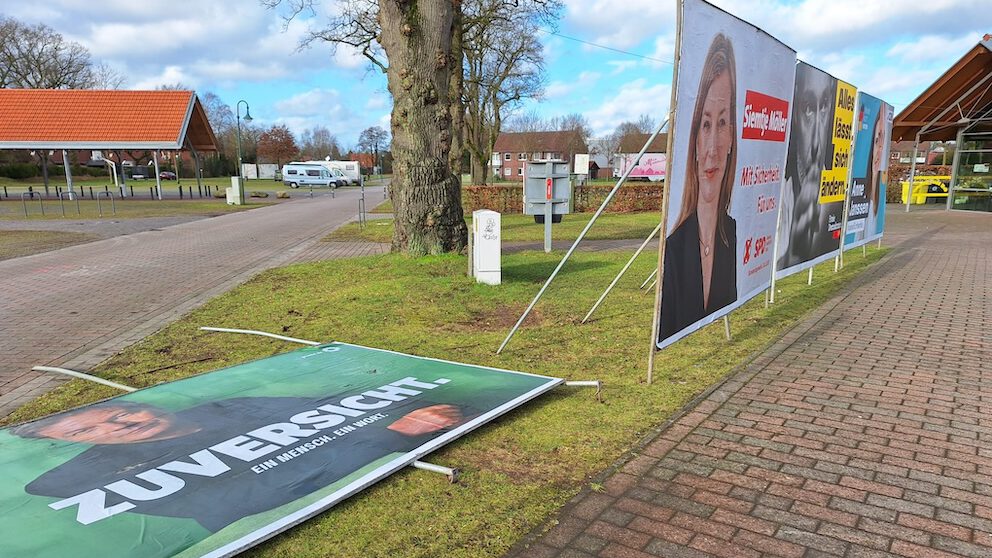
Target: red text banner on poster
765 117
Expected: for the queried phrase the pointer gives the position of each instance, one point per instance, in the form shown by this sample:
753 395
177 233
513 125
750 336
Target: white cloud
170 75
558 89
620 24
314 102
327 107
929 48
213 43
634 99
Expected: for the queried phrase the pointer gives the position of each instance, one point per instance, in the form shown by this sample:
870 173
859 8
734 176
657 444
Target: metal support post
68 173
650 277
588 383
622 272
262 334
99 205
71 197
726 327
158 177
912 173
83 376
809 280
452 474
568 254
955 161
547 225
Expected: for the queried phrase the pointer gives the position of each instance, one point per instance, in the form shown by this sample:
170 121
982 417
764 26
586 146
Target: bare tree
106 77
411 42
578 126
38 57
504 65
373 140
529 121
318 142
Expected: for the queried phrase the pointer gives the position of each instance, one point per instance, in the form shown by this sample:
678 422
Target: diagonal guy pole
622 272
582 235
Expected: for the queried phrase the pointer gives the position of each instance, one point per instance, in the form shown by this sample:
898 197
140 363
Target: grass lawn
384 207
14 244
517 471
522 228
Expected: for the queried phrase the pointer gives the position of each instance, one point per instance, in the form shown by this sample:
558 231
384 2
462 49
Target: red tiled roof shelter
91 119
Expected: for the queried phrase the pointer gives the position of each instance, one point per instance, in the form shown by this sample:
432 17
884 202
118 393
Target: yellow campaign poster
834 180
811 209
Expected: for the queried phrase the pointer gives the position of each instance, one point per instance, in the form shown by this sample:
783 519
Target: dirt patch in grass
501 318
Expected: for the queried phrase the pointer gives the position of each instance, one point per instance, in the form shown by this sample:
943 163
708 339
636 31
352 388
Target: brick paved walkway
79 305
864 432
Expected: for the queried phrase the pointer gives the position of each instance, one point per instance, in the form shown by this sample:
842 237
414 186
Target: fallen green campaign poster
212 464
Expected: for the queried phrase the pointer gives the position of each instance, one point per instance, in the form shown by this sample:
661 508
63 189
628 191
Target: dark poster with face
729 139
816 171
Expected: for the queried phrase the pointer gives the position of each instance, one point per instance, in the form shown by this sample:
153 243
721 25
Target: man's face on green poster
112 424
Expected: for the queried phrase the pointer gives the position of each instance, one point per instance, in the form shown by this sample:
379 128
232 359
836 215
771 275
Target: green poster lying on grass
212 464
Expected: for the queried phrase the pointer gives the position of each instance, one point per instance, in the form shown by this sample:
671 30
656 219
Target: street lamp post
241 182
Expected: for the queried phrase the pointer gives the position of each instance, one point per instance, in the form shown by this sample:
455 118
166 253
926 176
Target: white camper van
351 169
295 175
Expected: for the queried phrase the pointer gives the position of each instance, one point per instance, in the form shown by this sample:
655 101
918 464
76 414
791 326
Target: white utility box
486 247
234 195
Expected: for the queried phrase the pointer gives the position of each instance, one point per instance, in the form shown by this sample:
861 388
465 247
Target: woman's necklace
706 247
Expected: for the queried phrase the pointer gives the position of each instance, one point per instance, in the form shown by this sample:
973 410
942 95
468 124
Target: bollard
91 193
5 192
132 190
180 192
151 192
190 191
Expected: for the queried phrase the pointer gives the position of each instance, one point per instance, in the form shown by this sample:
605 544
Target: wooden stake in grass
655 322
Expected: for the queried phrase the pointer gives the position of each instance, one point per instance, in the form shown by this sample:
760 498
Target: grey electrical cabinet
547 183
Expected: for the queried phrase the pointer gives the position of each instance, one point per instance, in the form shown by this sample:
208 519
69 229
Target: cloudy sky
241 50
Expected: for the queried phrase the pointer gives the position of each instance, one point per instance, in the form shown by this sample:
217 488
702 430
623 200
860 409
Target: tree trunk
478 172
457 82
426 195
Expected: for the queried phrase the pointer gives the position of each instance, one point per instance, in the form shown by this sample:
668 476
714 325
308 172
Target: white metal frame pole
912 173
83 376
622 272
955 161
649 278
673 103
602 207
158 174
847 181
68 174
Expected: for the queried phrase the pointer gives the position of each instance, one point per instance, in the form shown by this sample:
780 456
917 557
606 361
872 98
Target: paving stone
856 435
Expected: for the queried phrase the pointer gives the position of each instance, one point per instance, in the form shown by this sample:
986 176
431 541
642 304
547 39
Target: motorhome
351 169
295 175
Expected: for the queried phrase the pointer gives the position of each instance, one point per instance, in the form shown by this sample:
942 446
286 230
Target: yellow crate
921 188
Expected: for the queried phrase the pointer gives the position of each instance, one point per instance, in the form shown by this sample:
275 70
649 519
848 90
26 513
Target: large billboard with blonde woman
731 129
869 171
